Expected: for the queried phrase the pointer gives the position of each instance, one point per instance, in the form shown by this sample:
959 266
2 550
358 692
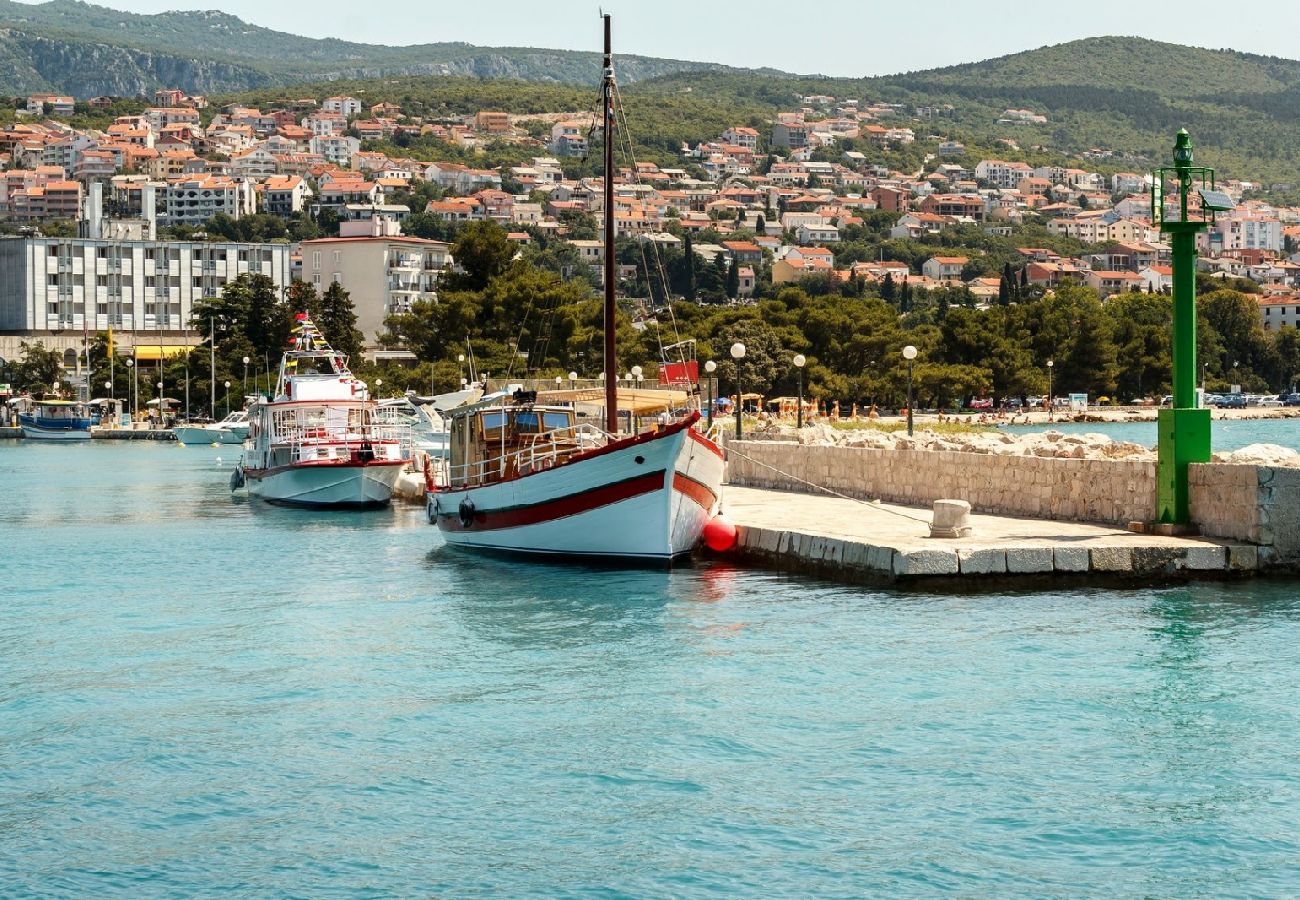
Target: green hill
1123 94
86 50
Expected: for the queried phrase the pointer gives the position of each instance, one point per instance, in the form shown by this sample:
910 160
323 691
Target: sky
831 37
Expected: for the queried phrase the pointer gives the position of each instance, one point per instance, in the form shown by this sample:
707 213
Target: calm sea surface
202 695
1225 434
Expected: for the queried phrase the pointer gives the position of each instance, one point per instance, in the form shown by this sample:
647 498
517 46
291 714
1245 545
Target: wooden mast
611 308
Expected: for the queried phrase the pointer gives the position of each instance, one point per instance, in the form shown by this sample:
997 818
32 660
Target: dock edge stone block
925 562
1112 559
1029 559
1206 559
1070 559
1243 557
982 562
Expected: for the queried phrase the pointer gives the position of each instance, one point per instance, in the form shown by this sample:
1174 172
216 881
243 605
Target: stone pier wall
1089 490
1259 504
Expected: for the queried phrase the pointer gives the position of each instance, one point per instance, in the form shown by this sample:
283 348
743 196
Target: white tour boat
528 477
315 442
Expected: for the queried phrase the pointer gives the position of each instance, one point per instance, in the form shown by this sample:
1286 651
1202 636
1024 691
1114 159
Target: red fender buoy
719 534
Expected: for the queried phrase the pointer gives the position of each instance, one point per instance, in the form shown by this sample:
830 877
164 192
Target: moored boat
56 420
529 478
315 443
233 429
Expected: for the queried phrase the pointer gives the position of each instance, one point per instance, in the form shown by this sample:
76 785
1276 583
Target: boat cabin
497 440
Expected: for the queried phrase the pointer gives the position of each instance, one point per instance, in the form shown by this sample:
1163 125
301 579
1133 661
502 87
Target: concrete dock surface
853 540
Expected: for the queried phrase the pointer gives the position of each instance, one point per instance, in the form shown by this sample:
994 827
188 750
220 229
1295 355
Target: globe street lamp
909 354
245 376
227 398
573 381
162 422
738 353
799 361
710 367
379 382
108 386
135 387
559 382
1051 397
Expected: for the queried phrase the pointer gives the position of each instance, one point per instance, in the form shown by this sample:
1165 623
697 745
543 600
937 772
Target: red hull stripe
569 505
705 442
684 484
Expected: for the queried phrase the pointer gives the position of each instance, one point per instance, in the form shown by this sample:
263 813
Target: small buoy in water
719 534
216 443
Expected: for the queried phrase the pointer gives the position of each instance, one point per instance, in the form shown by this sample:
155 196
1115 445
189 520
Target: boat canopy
637 401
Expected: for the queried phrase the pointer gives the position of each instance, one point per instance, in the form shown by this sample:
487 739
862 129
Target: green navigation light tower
1183 204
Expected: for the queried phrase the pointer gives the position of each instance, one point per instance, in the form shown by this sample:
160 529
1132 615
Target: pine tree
887 292
1024 282
760 227
1009 276
1004 291
905 298
733 279
337 320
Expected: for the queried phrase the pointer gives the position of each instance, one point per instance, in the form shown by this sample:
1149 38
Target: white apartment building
336 148
194 200
383 275
345 106
53 284
999 174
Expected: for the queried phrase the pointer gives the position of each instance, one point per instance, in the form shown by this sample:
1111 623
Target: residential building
492 122
944 268
284 195
51 284
337 148
193 200
384 275
569 138
344 106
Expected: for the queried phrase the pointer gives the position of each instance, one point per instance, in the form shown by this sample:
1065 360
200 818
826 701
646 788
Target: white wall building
53 284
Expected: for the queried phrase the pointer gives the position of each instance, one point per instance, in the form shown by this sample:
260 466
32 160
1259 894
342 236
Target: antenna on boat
611 308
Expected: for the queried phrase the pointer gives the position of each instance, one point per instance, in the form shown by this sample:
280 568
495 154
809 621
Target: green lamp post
1184 430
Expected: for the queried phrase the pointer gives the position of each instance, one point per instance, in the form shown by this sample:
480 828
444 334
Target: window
315 261
338 257
338 278
315 280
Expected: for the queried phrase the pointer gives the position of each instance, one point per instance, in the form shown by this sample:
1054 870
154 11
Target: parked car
1291 400
1229 401
1268 401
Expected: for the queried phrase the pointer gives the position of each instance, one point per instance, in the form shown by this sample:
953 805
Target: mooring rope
833 493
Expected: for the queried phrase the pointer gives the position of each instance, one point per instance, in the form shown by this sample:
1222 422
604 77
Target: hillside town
118 227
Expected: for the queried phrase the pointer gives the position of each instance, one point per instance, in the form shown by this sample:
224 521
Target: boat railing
544 450
354 437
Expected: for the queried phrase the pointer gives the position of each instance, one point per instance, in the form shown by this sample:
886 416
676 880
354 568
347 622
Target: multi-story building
569 138
284 195
383 275
336 148
194 200
999 174
52 284
344 106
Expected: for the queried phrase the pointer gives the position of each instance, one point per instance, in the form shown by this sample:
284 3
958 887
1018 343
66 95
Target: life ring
466 512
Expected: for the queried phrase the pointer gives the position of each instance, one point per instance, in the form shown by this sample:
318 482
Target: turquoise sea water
208 696
1225 434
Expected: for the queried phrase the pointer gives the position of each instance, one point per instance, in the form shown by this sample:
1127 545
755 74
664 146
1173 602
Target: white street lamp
738 353
1051 396
799 361
909 354
710 367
